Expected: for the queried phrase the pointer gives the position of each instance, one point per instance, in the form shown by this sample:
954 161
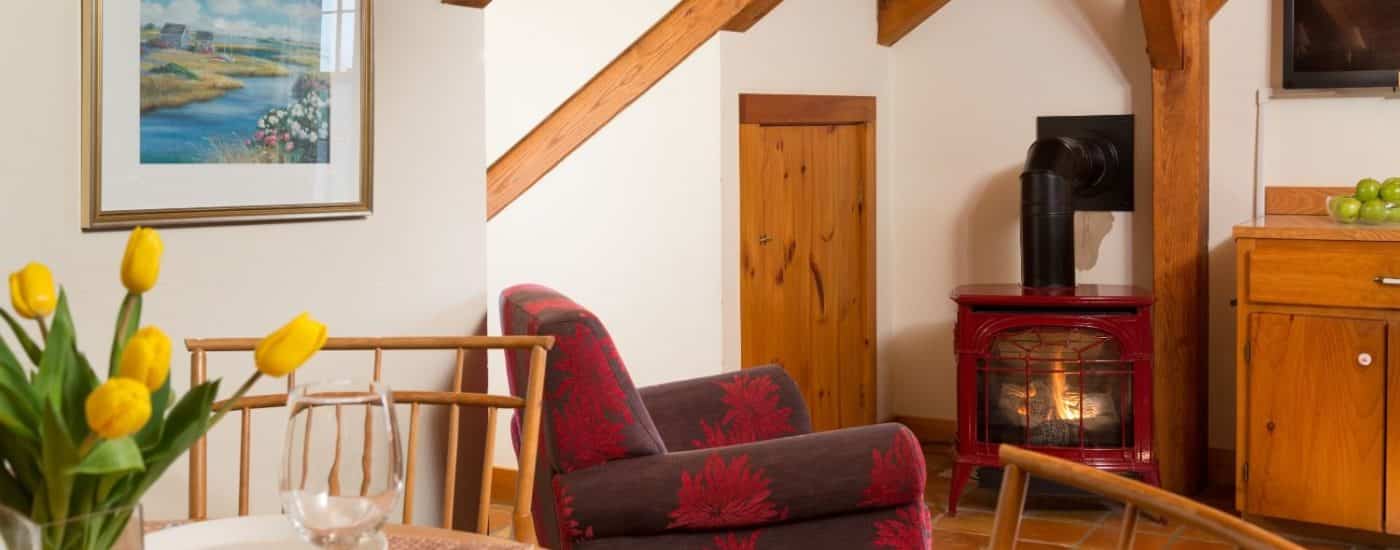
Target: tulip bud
141 263
285 350
31 291
118 408
146 358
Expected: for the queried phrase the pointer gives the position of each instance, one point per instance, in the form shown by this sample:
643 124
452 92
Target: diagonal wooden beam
467 3
1213 7
639 67
1162 23
897 18
746 19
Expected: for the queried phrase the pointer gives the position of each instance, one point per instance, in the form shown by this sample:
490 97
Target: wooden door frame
823 110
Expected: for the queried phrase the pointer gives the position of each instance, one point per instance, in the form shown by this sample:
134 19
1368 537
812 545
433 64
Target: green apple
1346 210
1390 190
1368 189
1394 216
1375 212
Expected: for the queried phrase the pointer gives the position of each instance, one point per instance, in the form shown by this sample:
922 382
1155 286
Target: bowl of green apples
1373 203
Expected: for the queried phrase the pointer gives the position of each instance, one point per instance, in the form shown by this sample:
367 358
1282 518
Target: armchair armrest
751 405
744 486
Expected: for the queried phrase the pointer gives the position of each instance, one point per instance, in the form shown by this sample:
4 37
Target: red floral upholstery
753 484
752 405
733 465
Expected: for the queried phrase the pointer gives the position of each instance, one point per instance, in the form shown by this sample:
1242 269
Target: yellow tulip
286 349
118 408
141 263
31 291
146 358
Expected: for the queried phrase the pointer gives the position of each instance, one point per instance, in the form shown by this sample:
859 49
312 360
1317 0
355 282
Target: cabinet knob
1269 426
1364 359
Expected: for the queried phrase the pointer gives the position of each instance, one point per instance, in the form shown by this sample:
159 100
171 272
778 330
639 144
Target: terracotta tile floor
1057 523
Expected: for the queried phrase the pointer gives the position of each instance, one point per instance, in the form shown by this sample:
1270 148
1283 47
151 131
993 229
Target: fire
1065 400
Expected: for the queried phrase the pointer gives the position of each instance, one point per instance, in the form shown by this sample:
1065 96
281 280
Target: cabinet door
1316 421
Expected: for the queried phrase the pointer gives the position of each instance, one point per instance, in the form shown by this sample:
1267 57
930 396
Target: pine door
806 262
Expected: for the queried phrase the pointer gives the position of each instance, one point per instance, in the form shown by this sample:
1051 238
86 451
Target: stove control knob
1364 359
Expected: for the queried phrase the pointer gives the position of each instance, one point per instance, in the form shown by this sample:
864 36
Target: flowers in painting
295 133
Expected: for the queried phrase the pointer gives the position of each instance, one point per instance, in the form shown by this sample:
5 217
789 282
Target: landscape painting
236 81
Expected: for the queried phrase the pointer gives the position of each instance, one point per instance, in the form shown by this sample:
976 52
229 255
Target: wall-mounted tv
1341 43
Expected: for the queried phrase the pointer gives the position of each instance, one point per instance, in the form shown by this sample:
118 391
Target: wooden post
1180 185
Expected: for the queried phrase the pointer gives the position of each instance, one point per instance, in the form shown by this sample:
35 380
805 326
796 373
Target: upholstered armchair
726 462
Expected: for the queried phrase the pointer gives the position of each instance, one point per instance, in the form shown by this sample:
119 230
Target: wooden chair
1021 464
523 523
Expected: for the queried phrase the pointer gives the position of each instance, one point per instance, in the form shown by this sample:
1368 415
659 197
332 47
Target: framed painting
226 111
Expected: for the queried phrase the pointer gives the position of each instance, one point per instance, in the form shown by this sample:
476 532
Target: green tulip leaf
77 385
188 421
58 456
58 358
12 494
111 456
17 414
25 342
128 320
150 434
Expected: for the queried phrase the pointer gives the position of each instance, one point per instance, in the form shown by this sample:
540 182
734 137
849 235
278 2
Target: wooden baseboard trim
930 430
503 485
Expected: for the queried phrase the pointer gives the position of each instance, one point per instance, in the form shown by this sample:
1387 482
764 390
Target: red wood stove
1063 371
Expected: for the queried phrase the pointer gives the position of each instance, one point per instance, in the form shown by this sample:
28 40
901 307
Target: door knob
1364 359
764 238
1269 426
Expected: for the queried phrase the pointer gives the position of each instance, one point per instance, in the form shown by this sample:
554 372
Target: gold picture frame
96 218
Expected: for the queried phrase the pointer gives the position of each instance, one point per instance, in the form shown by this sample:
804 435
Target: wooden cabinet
1318 332
1316 419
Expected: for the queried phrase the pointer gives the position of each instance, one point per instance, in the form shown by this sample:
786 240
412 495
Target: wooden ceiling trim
639 67
751 15
1180 223
1162 24
467 3
800 110
897 18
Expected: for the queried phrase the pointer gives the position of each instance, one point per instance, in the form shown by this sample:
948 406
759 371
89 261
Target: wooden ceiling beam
1213 7
750 15
897 18
1162 24
639 67
467 3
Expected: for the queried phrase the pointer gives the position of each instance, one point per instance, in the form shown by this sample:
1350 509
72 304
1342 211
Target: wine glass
342 470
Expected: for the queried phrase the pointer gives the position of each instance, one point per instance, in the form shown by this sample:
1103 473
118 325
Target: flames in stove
1052 407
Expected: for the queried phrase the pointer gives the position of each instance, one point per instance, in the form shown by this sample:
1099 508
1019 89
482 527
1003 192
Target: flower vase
115 529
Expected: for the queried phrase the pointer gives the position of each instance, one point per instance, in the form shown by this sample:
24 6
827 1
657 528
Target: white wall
1306 141
417 266
809 47
628 224
968 86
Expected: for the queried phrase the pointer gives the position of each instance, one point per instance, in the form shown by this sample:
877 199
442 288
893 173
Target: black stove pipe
1055 168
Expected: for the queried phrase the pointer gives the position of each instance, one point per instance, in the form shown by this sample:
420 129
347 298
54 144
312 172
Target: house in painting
175 35
203 41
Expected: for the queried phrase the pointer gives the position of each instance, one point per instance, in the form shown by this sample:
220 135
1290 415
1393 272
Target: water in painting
240 81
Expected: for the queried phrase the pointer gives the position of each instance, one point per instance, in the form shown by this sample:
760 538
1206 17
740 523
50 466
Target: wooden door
1316 419
807 256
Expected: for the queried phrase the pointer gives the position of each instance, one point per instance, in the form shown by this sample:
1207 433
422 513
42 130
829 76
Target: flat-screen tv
1341 43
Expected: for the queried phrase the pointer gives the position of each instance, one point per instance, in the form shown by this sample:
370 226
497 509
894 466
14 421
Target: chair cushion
788 479
592 411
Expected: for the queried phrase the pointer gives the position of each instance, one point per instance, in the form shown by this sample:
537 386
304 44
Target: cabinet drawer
1324 273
